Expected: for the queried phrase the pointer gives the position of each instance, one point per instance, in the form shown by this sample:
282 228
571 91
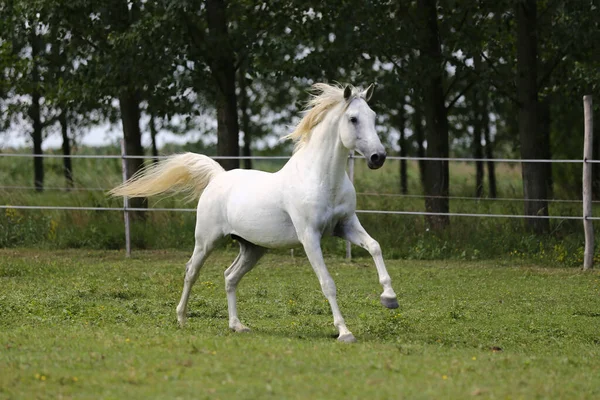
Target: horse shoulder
347 195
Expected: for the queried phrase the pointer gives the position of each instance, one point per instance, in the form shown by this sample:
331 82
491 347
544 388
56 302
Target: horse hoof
240 328
347 338
389 302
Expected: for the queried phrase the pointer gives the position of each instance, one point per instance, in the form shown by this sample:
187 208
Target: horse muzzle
376 160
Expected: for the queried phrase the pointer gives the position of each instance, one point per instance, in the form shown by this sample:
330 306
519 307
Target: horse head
357 127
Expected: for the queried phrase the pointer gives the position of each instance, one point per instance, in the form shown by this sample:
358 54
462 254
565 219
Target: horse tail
187 172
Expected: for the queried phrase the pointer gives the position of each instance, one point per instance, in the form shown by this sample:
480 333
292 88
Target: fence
586 217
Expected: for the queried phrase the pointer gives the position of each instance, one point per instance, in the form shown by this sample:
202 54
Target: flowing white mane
323 98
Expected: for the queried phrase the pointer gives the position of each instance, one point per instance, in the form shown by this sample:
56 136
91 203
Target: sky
100 135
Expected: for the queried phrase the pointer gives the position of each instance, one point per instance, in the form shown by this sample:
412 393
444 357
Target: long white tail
187 172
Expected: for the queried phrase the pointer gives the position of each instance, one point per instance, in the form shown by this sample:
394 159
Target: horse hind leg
192 269
245 261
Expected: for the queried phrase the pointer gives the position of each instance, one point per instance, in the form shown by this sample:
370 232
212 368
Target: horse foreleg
248 257
353 231
312 247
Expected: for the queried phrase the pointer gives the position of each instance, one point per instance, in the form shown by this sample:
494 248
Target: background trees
454 77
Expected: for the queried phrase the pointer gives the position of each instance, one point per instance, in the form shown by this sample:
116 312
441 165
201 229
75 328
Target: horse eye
353 120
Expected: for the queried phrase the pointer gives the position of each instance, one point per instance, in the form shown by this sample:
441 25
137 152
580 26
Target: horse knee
188 271
374 248
230 283
191 274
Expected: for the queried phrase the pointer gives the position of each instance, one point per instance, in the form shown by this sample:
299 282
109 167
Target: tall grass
401 236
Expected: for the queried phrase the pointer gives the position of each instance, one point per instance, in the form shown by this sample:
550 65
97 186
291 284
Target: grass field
92 324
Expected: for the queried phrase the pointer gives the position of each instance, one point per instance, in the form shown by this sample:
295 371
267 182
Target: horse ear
347 93
367 94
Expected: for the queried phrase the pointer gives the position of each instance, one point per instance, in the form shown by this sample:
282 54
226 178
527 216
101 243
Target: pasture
92 324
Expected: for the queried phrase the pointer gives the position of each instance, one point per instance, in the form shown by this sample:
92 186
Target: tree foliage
454 77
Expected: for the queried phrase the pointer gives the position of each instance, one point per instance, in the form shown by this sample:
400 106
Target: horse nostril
377 158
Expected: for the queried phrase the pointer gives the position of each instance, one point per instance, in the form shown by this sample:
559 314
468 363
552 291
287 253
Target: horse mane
323 98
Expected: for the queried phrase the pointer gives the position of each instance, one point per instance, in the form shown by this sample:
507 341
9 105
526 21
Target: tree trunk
222 65
485 131
35 114
153 132
66 148
38 162
545 130
420 138
403 148
478 151
489 154
245 120
535 179
479 110
130 117
479 170
436 126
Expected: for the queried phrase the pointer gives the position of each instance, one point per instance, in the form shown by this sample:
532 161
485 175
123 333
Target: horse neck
324 157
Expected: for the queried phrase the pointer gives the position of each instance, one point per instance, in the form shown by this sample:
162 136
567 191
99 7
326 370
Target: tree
436 127
25 39
123 51
59 70
223 37
479 105
214 48
222 65
534 174
402 143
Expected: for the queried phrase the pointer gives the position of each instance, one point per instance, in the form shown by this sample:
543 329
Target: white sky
95 136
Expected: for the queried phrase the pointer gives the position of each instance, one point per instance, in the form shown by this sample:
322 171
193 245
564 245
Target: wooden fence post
588 227
125 202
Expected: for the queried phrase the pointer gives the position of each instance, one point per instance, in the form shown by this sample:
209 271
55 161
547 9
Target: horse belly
264 227
254 213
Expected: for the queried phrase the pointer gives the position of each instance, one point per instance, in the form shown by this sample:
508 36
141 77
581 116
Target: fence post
125 202
351 176
588 227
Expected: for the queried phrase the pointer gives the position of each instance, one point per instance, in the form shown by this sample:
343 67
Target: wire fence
125 209
374 194
586 162
425 213
351 160
452 159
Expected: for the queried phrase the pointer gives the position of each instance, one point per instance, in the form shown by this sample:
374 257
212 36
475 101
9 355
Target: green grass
92 324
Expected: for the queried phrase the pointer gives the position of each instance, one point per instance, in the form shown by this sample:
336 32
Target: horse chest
325 212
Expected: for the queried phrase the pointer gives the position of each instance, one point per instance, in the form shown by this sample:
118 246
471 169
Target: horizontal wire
74 208
422 196
111 156
374 194
471 214
499 160
54 188
357 211
455 159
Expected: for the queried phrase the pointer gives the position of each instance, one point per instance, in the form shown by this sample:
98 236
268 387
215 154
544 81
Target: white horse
311 196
